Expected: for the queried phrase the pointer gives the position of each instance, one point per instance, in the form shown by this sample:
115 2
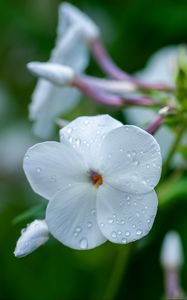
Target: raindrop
90 224
127 233
122 222
119 232
27 157
78 142
113 234
128 197
135 162
78 229
139 232
110 221
133 226
124 241
148 221
38 170
83 243
69 130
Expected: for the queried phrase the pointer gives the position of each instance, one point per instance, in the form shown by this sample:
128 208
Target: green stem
117 272
172 150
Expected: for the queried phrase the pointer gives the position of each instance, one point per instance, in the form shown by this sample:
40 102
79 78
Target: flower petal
86 135
50 166
48 102
71 217
124 217
131 159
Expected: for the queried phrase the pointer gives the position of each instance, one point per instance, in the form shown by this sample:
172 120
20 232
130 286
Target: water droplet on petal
69 130
83 243
110 221
113 234
38 170
90 224
147 166
122 222
102 224
78 229
139 232
124 241
27 157
127 233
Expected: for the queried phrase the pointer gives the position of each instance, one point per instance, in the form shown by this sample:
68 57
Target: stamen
96 178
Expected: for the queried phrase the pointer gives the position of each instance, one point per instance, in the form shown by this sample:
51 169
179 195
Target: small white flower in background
171 252
75 31
99 181
161 67
32 237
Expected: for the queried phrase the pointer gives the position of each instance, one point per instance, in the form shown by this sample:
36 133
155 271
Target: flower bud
56 73
32 237
89 29
171 252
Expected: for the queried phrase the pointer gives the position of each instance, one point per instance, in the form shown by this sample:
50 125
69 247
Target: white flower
162 68
71 49
99 181
32 237
171 252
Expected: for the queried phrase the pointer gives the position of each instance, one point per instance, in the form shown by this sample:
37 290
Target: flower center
96 178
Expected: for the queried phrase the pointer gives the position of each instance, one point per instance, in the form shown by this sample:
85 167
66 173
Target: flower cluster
100 178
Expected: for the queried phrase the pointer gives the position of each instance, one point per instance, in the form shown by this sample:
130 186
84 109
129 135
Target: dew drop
148 221
78 229
83 243
128 197
119 232
113 234
78 142
127 233
133 226
139 232
90 224
27 157
124 241
38 170
122 222
110 221
69 130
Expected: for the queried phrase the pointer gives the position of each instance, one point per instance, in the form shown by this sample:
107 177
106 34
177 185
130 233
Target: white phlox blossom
161 67
99 180
171 252
49 101
32 237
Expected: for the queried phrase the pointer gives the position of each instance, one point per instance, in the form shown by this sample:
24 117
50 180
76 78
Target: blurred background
132 30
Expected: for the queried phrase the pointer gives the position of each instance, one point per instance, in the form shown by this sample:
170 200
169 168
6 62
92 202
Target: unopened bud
56 73
171 252
32 237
